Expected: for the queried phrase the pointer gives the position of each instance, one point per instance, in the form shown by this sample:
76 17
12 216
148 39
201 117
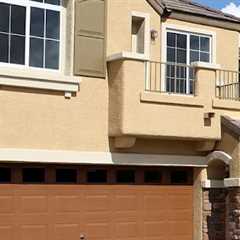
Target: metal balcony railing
170 78
228 85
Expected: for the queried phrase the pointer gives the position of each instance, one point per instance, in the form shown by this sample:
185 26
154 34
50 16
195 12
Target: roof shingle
193 8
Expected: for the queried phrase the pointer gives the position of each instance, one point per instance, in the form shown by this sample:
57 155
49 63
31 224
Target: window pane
181 41
125 176
194 56
33 175
97 176
205 44
4 17
204 57
17 50
152 176
171 39
54 2
66 175
5 175
179 177
181 56
52 55
37 1
171 55
194 42
37 22
4 47
53 24
18 17
36 52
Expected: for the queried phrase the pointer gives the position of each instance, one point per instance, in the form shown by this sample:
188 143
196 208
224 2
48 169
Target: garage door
72 203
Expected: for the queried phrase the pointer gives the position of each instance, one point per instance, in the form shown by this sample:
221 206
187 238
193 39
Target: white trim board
106 158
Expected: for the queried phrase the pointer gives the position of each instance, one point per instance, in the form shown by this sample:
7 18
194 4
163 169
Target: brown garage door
102 204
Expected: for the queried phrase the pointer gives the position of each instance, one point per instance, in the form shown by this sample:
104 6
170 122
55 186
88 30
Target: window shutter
89 53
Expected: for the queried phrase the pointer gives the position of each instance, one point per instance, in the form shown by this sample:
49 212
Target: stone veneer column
233 214
214 210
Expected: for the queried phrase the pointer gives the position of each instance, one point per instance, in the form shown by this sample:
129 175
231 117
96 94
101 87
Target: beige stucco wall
41 119
119 25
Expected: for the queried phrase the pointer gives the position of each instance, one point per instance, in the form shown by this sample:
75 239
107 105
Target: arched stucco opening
217 170
218 165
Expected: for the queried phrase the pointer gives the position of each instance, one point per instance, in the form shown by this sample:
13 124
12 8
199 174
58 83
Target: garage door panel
68 218
180 215
67 203
98 202
156 229
126 202
34 204
66 231
6 232
7 204
36 232
127 229
95 230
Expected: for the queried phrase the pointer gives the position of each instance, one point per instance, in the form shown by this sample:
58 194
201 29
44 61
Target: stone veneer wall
233 214
214 214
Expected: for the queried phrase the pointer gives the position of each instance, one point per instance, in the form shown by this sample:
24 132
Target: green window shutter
89 52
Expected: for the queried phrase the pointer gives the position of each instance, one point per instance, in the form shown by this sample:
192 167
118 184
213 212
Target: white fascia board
106 158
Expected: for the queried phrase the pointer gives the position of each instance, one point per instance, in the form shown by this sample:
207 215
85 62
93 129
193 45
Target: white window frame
28 4
188 31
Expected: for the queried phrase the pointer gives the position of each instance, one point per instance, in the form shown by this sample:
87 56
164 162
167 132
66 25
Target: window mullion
188 63
9 35
44 38
27 37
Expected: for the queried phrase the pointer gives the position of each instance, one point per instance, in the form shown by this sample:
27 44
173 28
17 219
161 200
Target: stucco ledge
43 80
232 182
213 184
171 99
127 56
226 104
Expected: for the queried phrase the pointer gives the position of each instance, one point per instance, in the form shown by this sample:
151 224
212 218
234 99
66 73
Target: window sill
226 104
204 65
36 79
128 55
172 99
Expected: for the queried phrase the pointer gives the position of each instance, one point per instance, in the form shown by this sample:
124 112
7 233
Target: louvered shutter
89 52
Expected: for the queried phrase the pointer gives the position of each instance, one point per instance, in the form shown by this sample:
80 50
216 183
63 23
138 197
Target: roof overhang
187 16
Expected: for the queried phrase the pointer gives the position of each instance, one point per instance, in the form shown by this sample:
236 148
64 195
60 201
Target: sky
228 6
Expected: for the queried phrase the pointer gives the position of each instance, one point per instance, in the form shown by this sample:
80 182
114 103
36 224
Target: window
152 176
5 175
30 32
182 50
179 177
97 176
125 176
33 175
65 175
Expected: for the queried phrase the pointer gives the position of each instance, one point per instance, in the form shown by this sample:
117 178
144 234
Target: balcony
163 100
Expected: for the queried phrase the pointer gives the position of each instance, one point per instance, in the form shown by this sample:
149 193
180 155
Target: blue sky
218 3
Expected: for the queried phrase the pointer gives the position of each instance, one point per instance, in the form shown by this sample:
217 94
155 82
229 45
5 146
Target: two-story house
119 119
